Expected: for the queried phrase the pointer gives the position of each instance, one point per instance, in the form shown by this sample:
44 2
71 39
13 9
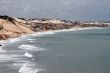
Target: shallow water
84 51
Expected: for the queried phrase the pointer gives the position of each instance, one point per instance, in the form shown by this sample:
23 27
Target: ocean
81 51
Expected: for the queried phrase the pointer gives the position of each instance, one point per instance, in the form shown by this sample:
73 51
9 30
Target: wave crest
29 68
30 47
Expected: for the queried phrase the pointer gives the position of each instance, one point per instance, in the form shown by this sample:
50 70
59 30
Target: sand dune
13 27
10 28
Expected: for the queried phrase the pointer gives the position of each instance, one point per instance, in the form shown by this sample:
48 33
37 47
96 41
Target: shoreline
28 66
12 27
23 36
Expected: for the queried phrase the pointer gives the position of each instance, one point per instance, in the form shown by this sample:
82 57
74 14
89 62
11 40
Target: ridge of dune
13 27
9 27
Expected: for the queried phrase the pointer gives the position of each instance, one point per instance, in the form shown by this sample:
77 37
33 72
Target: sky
74 10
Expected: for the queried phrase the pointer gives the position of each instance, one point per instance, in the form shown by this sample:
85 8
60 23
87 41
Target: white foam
20 61
63 30
28 68
49 32
30 39
42 33
5 58
2 51
3 43
14 40
30 47
74 29
27 54
26 47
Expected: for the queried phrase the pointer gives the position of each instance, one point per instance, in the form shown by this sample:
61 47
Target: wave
14 40
21 62
6 58
75 29
2 51
42 33
31 39
27 54
62 30
25 66
30 47
29 68
50 32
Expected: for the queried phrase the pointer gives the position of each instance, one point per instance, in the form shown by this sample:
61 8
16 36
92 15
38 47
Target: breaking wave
62 30
29 68
30 47
23 61
27 54
2 51
6 58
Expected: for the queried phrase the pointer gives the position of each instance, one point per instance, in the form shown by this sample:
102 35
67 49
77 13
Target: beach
23 52
24 49
55 36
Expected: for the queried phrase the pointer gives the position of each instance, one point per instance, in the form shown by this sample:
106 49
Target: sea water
82 51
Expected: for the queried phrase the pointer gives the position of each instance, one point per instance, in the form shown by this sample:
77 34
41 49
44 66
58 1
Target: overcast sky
59 9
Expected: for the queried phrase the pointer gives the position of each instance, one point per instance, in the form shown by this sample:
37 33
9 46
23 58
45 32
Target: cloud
4 2
4 5
26 8
63 9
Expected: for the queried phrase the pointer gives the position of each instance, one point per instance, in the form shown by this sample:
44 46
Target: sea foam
28 68
30 47
31 39
2 51
43 33
14 40
27 54
5 58
62 30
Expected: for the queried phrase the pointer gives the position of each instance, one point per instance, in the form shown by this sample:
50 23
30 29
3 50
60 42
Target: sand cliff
10 27
13 27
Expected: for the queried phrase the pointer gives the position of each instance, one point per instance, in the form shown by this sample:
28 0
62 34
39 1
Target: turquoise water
84 51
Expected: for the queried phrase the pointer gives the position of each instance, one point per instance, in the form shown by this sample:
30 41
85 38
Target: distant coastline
11 27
